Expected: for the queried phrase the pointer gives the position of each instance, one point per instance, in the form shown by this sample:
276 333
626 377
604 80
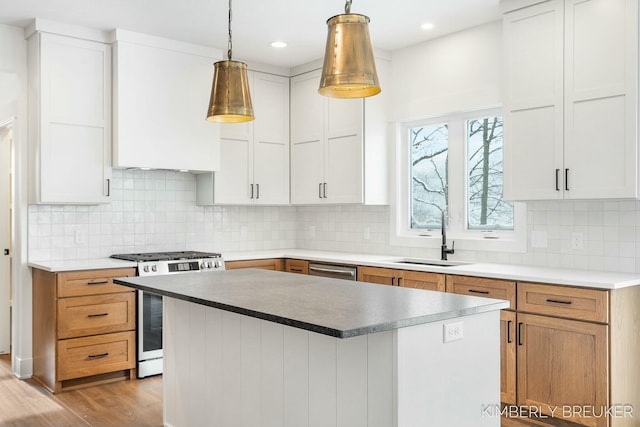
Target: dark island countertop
333 307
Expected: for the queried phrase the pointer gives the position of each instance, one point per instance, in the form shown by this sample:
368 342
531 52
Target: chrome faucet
444 251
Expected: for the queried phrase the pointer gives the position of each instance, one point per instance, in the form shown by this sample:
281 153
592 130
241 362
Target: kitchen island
261 348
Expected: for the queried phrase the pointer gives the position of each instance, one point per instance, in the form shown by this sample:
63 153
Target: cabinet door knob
509 332
6 251
566 179
557 179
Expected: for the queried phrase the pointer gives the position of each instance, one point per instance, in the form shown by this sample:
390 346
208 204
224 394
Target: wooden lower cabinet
275 264
563 362
402 278
83 328
299 266
508 357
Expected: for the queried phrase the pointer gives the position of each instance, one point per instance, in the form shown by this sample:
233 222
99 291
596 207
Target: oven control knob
146 268
154 268
217 264
210 264
203 265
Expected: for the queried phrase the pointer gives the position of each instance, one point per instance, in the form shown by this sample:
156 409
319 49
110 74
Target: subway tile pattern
156 211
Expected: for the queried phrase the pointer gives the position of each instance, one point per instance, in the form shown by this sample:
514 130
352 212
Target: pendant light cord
347 7
229 46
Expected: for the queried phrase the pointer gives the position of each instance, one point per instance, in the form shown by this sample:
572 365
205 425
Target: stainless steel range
149 329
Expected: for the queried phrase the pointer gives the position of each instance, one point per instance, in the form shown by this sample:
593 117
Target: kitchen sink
427 262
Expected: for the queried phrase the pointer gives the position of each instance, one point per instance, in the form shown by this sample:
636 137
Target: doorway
6 214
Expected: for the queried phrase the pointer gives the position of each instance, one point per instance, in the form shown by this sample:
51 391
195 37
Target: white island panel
255 372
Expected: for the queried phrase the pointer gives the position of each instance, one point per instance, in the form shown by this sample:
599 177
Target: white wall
13 51
458 72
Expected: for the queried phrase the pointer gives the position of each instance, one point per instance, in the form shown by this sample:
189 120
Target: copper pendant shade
230 100
349 69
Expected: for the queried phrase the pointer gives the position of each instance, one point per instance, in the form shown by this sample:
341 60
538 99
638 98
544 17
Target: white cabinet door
72 92
307 139
232 183
343 151
327 145
254 155
533 102
601 61
571 100
271 139
161 95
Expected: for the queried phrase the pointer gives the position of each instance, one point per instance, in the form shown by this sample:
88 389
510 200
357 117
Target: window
451 168
429 147
486 210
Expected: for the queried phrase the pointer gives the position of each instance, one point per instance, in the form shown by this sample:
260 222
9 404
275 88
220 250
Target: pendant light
349 69
230 98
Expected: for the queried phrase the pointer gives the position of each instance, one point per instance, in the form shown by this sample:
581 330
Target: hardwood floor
24 403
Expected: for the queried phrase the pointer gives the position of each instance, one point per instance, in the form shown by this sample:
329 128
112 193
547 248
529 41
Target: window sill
462 243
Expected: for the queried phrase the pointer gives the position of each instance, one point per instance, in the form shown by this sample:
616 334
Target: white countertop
82 264
521 273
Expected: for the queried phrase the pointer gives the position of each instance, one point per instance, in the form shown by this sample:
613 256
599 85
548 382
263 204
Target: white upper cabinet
337 154
69 119
161 95
571 99
254 155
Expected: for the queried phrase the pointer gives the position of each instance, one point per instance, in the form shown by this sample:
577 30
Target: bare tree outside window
486 208
429 186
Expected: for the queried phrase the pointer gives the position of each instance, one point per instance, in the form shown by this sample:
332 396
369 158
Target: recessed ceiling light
427 26
278 44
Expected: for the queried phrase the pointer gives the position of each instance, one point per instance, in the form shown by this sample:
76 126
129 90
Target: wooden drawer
82 357
423 280
97 314
265 264
92 282
296 266
564 301
481 287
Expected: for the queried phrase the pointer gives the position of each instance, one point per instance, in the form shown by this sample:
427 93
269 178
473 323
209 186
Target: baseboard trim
22 368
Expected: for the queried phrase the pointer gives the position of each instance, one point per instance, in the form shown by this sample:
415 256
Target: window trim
401 233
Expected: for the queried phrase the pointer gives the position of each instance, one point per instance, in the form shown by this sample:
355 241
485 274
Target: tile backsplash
156 211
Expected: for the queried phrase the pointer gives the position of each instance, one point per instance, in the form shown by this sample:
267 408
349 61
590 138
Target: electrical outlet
577 241
453 331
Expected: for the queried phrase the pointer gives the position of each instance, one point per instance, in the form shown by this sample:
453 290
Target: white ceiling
301 23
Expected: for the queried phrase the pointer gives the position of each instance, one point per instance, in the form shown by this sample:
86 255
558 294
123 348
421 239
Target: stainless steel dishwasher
334 271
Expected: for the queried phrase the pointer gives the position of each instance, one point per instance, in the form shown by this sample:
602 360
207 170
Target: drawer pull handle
520 333
557 301
98 315
509 332
479 292
98 356
102 282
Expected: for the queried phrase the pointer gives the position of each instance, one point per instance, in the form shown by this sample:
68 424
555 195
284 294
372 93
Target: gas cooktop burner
165 256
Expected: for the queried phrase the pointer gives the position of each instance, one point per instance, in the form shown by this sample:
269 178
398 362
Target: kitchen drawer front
97 314
563 301
482 287
296 266
92 282
82 357
423 280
